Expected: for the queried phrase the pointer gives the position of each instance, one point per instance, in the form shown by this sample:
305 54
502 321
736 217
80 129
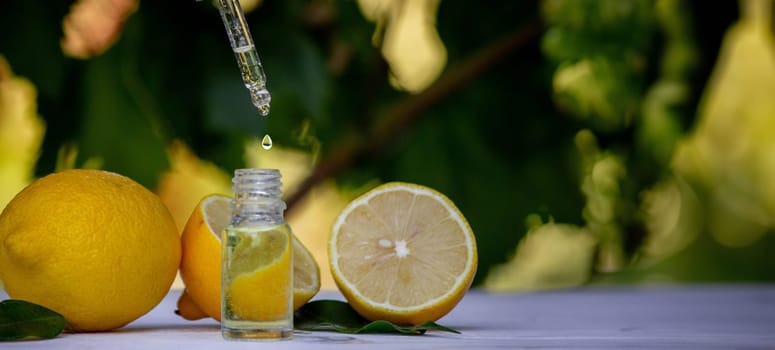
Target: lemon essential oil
257 261
266 142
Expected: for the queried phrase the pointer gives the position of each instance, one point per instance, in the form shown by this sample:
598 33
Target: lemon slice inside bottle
259 280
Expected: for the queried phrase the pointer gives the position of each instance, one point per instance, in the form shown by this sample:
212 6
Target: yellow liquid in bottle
257 283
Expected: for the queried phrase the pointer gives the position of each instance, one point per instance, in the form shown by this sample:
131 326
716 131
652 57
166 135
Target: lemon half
403 253
200 267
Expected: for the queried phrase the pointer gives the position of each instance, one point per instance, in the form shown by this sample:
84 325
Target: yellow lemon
187 308
259 282
403 253
306 274
93 245
200 263
200 266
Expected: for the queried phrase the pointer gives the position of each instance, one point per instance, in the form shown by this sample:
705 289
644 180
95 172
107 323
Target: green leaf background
502 144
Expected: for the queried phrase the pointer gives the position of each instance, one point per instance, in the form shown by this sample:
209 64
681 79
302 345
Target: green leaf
22 320
338 316
123 126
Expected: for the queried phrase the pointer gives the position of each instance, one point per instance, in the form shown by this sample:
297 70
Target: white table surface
664 317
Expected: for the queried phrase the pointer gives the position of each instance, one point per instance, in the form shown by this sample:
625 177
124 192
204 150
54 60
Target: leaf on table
338 316
24 320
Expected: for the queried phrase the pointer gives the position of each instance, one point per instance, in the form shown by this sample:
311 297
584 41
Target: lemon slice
259 278
257 250
403 253
200 267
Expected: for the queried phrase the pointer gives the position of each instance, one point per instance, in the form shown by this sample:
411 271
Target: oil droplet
261 99
263 110
266 143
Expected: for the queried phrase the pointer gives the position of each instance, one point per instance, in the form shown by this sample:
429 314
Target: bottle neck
257 197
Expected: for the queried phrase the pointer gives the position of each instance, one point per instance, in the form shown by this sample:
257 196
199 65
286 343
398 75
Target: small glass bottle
257 275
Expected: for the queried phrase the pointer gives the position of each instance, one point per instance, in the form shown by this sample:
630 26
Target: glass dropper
245 51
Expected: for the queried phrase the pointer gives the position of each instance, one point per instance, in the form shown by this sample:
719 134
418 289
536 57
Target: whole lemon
93 245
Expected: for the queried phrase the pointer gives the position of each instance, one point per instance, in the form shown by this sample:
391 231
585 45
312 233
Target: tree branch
401 115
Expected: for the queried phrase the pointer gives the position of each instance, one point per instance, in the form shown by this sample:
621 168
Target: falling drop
266 143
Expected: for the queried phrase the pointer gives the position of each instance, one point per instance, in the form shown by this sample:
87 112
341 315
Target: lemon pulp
258 280
403 253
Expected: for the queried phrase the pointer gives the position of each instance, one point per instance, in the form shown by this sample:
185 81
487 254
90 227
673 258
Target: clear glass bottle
257 275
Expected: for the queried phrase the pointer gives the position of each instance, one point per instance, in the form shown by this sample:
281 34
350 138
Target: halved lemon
403 253
200 267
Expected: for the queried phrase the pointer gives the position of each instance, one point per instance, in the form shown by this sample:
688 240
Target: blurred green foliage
503 144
